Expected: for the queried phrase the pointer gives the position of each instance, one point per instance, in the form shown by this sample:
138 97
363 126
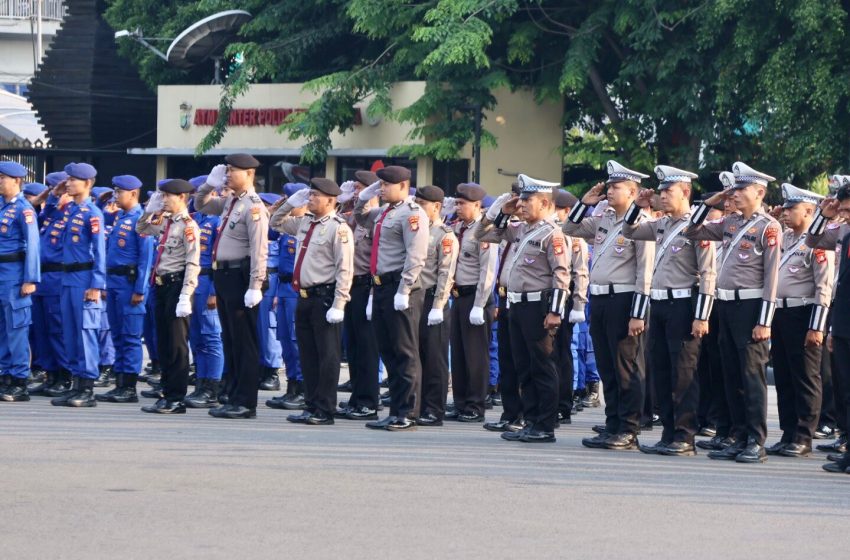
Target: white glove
217 176
253 297
154 205
299 199
370 192
476 315
344 197
347 187
496 207
401 302
184 306
334 315
449 204
577 316
435 317
369 308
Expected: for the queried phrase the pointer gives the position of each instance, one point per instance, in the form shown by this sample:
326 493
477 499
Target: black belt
285 277
224 265
127 270
78 267
52 267
205 272
387 278
271 270
13 257
321 290
459 291
431 292
170 278
362 280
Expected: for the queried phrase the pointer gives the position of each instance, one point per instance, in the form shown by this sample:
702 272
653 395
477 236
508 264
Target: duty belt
77 267
52 267
431 292
127 270
524 297
13 257
271 270
388 278
361 280
225 265
670 293
608 289
734 295
285 277
459 291
321 290
169 278
794 302
206 272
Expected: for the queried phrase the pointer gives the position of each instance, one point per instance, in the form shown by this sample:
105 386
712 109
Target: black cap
176 186
365 177
242 161
430 193
326 186
394 174
472 192
565 199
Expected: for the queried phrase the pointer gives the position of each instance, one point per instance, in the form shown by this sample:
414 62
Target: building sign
254 117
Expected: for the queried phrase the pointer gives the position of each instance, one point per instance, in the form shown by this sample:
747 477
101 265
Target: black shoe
840 467
824 432
5 383
199 389
319 419
591 399
219 411
650 424
103 377
206 397
153 394
599 428
707 431
276 402
597 441
728 453
295 402
62 400
271 380
678 449
776 448
361 413
37 374
836 457
84 397
796 450
385 384
515 436
381 424
470 417
401 425
838 446
61 386
163 406
17 391
500 426
717 443
496 398
564 418
753 453
300 418
154 380
344 387
622 442
538 436
488 402
653 449
452 414
49 380
223 398
234 412
341 412
429 419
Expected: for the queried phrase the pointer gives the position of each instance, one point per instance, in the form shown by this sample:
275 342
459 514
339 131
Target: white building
19 39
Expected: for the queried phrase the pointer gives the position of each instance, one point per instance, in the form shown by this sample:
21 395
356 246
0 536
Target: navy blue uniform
204 326
287 299
47 312
270 347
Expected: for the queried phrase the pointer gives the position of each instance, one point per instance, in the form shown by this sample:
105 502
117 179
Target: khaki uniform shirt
181 250
476 262
439 269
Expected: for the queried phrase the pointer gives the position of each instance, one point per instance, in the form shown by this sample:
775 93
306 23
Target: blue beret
126 182
82 171
149 193
98 192
198 181
269 198
487 201
160 183
34 189
53 179
13 169
290 189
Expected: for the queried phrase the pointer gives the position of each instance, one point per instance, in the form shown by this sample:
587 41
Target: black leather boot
62 400
85 395
270 380
62 384
17 391
5 384
103 379
49 380
205 397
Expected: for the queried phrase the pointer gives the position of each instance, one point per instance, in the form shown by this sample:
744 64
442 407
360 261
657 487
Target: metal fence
24 9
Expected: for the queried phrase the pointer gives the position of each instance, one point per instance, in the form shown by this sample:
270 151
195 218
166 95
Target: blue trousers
15 321
149 329
494 357
270 347
583 357
104 339
205 334
81 322
286 336
126 322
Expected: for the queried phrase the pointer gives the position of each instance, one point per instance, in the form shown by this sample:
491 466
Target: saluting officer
682 296
20 272
399 250
83 281
746 300
619 289
537 293
128 262
240 255
802 304
472 308
322 278
437 277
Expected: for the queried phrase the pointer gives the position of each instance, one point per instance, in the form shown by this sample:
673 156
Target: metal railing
51 10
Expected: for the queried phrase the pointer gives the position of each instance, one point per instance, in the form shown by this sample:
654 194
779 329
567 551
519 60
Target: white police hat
617 173
529 186
838 181
669 175
746 175
727 179
793 195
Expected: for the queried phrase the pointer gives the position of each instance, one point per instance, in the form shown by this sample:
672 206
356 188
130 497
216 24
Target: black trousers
620 361
675 353
239 337
434 355
319 347
744 368
470 355
508 379
533 349
564 361
650 402
362 348
172 342
397 333
796 373
713 408
828 416
841 376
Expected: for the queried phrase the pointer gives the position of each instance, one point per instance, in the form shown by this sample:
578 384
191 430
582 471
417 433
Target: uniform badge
189 232
3 229
820 256
343 235
528 261
599 238
255 213
833 225
414 222
621 240
733 228
28 218
75 238
447 245
746 246
292 250
94 222
751 230
675 248
619 250
485 245
704 244
558 245
794 269
743 256
122 242
203 248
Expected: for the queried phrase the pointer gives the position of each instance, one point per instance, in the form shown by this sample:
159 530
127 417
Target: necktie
503 260
296 274
223 225
160 250
373 258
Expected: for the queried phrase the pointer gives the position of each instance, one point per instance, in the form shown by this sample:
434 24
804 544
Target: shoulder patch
558 245
28 216
414 222
576 245
339 218
343 234
189 232
94 222
255 213
833 225
447 243
771 234
820 256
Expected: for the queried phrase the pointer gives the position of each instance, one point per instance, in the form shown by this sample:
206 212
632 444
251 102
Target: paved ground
112 482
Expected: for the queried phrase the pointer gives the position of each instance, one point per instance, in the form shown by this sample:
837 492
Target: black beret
242 161
394 174
366 177
430 193
565 199
471 191
176 186
326 186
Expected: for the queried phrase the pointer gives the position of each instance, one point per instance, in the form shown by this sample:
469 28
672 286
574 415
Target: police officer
204 325
287 301
240 254
83 281
682 296
271 358
399 250
322 277
746 296
802 304
20 272
619 289
128 261
472 308
175 276
537 293
33 193
437 276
